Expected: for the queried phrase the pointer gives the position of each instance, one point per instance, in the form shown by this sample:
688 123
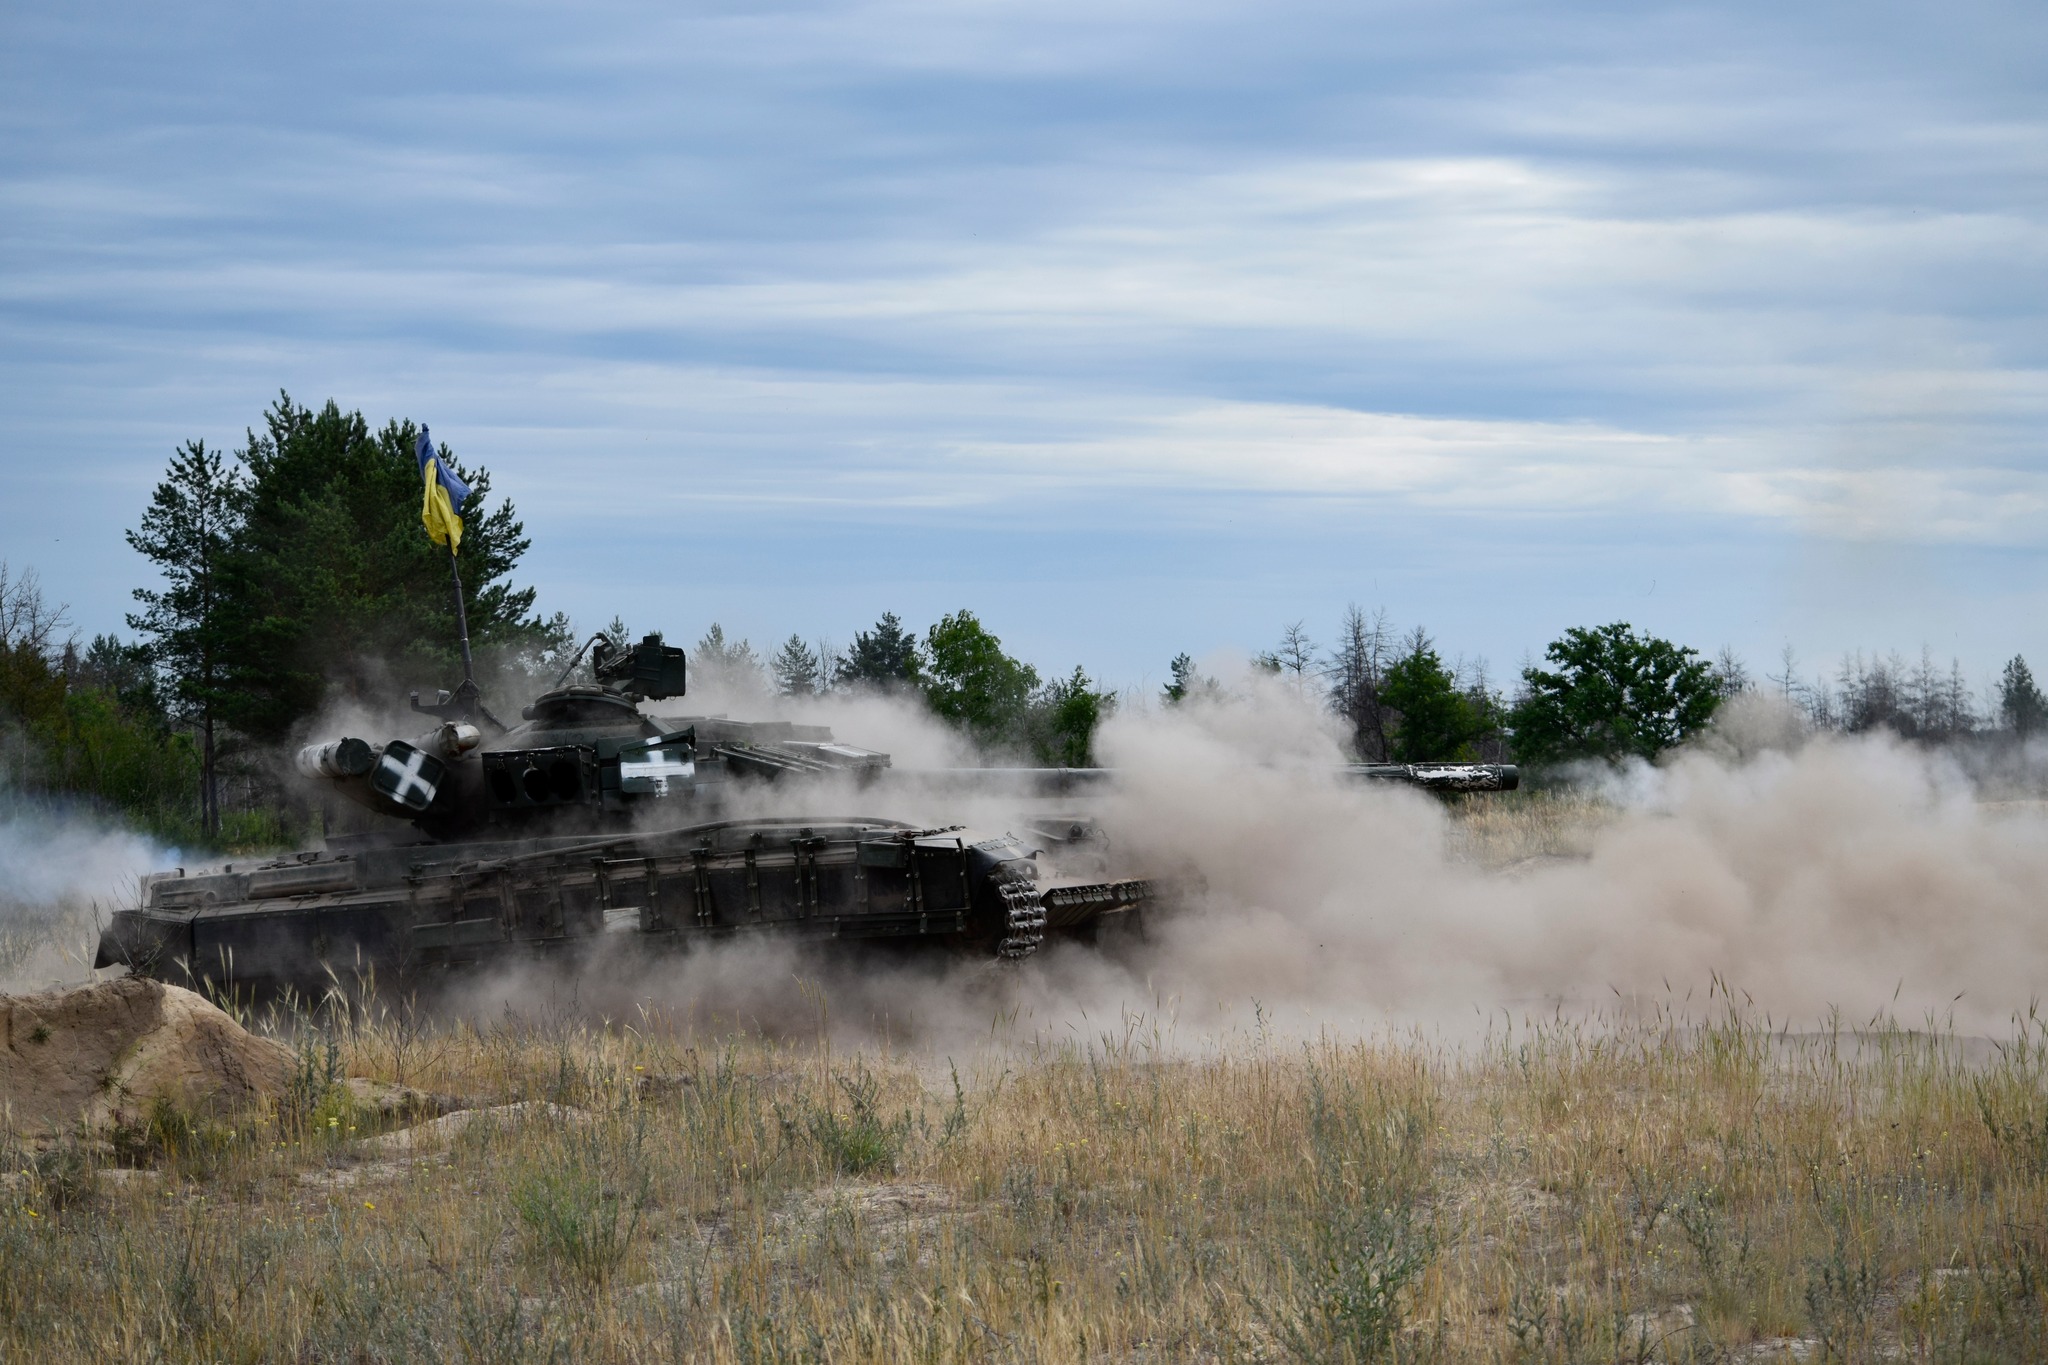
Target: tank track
1024 920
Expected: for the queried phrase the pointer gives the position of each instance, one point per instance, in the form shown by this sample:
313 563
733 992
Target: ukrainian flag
445 495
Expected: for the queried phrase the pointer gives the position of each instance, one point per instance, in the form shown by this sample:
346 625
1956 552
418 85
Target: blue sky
1135 328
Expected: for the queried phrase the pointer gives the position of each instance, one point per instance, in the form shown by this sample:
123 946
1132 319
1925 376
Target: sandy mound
104 1053
451 1126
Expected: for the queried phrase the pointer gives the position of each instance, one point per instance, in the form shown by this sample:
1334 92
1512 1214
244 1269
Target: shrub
582 1210
861 1140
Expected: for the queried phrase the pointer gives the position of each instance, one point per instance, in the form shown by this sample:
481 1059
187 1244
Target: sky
1134 328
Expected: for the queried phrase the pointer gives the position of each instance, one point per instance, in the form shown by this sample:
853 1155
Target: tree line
1918 699
1604 693
958 669
292 573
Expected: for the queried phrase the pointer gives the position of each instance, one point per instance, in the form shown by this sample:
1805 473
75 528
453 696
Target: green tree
886 656
973 683
798 672
31 689
123 671
334 584
66 729
1614 693
728 665
1437 721
2020 704
191 528
1065 716
1185 681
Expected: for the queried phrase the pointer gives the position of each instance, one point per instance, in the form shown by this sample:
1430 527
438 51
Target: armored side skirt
306 925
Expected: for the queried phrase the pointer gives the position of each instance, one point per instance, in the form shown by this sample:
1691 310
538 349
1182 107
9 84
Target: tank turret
584 758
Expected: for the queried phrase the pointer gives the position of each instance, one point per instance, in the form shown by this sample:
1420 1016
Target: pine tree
335 583
886 656
192 526
2021 706
1188 681
125 672
728 666
1182 674
797 670
1437 722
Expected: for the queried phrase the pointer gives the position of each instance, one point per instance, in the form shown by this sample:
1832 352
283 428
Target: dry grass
1621 1190
1638 1192
1509 829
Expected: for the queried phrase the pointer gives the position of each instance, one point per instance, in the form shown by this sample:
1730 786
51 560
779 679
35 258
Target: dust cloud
1808 874
1849 873
62 871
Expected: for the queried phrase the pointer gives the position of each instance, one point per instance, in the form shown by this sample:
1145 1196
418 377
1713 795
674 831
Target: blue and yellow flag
445 495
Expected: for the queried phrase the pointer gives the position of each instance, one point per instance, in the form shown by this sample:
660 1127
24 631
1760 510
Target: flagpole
461 624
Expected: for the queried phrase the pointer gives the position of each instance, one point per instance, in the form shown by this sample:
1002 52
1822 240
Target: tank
605 820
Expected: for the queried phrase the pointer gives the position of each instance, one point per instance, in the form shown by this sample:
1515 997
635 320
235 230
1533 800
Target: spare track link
1024 927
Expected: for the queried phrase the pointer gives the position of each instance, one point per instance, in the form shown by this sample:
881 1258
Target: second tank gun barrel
1444 777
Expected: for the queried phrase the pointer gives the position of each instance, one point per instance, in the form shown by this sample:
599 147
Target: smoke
61 873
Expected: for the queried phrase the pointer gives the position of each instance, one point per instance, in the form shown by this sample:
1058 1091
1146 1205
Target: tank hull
412 913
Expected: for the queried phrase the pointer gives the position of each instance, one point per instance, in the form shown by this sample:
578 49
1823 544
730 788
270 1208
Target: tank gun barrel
397 778
339 758
1442 777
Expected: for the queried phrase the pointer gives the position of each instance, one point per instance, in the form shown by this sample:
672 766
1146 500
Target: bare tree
1355 671
1924 696
1475 680
1296 654
1876 693
1823 708
1730 673
1958 709
1787 680
27 622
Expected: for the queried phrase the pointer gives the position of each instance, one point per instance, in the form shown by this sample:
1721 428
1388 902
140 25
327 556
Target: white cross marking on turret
406 779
